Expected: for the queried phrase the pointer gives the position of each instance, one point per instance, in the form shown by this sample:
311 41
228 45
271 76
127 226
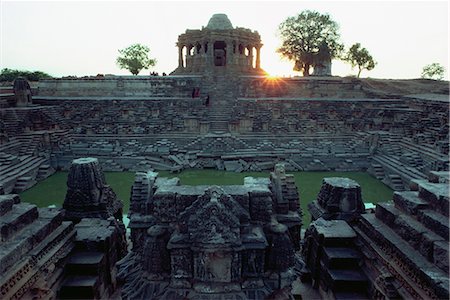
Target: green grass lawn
52 190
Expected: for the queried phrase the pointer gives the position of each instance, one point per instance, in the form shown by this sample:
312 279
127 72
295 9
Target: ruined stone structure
200 242
88 195
322 62
400 251
22 91
219 47
338 199
43 254
397 130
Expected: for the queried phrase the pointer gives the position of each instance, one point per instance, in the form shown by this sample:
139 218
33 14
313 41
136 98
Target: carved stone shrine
212 242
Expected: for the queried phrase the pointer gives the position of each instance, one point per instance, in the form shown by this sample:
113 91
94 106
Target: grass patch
52 190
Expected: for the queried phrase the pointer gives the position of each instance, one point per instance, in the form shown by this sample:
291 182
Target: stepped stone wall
43 254
233 123
401 250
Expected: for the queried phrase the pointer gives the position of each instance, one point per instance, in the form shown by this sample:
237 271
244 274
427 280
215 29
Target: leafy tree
433 70
135 58
10 74
360 57
303 35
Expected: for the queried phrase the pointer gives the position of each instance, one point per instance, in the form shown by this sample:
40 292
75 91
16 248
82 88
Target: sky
79 38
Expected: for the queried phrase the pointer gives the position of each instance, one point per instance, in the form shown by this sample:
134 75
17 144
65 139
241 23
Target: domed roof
219 22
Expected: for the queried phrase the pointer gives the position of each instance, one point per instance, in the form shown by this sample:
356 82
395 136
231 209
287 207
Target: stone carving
88 195
339 198
22 91
322 61
223 241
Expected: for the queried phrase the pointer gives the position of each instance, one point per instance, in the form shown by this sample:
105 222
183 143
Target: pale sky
83 38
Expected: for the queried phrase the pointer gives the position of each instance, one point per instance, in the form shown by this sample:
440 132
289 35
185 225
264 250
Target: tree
360 57
433 70
303 35
9 75
135 58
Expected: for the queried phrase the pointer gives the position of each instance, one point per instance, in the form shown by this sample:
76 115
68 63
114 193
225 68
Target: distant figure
195 92
164 74
22 90
207 100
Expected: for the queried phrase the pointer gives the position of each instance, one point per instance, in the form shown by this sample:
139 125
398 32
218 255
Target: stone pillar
228 52
258 57
210 59
250 56
180 56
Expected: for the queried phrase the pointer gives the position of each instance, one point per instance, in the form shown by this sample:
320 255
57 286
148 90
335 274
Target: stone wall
122 86
250 123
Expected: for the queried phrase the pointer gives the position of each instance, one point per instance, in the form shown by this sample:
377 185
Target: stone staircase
82 275
221 91
378 171
11 121
90 269
395 181
398 174
333 261
34 242
21 175
410 236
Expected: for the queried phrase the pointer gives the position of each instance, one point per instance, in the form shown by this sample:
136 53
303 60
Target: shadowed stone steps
344 280
80 287
340 258
437 194
333 261
410 229
409 202
404 257
18 217
85 263
28 237
436 222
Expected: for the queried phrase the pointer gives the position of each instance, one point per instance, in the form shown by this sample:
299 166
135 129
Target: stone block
387 213
436 222
441 255
409 202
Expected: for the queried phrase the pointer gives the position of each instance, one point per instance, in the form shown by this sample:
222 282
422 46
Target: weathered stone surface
88 195
339 198
210 241
410 234
22 91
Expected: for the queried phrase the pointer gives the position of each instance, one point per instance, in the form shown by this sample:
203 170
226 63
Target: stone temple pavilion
219 47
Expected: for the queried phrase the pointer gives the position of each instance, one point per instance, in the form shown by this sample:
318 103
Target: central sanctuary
219 44
218 110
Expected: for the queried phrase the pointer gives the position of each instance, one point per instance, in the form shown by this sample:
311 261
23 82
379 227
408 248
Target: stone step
85 263
28 237
18 217
340 258
346 280
350 296
408 259
6 203
411 230
80 287
436 222
409 202
437 194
